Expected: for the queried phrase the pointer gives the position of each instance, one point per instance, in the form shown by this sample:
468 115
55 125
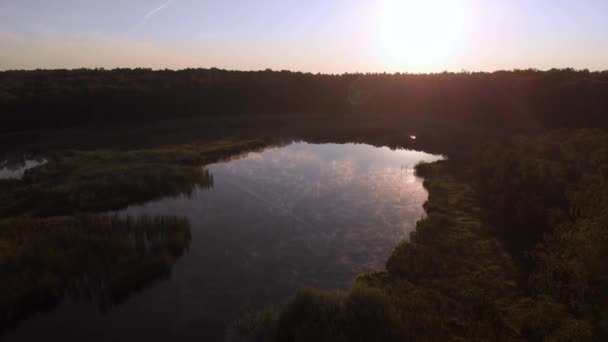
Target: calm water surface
303 215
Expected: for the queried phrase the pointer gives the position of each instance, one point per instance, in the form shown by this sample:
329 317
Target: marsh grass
102 180
103 258
54 244
446 282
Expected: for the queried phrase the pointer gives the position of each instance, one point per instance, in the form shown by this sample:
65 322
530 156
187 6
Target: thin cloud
147 17
156 10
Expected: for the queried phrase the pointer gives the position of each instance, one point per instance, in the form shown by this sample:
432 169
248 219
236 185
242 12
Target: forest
512 247
519 100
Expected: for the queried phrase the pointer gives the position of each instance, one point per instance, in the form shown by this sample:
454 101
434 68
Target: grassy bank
101 180
451 280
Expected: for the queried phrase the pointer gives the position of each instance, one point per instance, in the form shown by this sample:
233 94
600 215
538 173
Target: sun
420 35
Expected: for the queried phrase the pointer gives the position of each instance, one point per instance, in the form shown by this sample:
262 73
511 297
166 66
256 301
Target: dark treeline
514 100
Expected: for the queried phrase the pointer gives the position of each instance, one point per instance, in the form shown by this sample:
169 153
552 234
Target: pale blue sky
313 35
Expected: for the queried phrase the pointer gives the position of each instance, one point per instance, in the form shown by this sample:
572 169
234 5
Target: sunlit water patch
303 215
13 167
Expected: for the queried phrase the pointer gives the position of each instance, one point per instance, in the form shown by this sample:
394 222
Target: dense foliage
514 100
548 198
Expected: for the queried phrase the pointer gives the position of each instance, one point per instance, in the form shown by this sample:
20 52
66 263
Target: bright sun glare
420 35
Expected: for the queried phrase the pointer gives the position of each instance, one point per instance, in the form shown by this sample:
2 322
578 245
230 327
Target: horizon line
462 71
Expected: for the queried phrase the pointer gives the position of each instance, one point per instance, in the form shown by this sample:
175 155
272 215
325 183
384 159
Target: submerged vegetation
468 272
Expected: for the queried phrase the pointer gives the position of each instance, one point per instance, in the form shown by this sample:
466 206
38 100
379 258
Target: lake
273 221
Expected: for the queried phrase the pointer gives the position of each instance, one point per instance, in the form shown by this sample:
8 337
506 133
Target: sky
327 36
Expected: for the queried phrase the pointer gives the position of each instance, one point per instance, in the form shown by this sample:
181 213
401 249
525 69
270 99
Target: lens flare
417 35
